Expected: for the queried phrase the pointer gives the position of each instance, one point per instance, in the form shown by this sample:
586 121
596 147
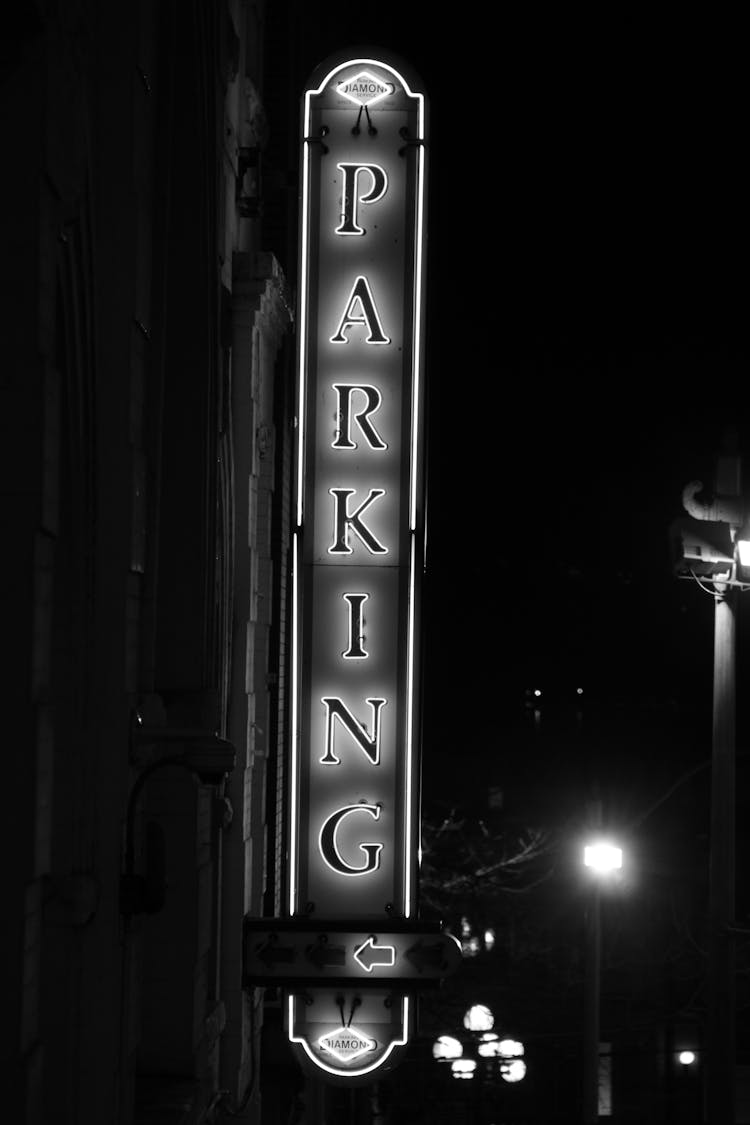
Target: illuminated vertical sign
358 540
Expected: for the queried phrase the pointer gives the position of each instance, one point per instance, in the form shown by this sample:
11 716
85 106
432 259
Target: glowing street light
603 858
479 1018
511 1048
507 1053
513 1070
446 1047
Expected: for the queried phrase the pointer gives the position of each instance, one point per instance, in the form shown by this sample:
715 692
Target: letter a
360 309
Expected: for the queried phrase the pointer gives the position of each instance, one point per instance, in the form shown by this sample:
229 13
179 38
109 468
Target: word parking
358 543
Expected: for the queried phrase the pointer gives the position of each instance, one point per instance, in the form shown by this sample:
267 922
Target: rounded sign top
365 77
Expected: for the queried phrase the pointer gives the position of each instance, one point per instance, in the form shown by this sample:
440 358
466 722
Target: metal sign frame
359 536
350 950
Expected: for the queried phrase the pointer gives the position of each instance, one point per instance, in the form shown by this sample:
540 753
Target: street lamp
479 1018
447 1047
463 1068
712 547
507 1053
602 858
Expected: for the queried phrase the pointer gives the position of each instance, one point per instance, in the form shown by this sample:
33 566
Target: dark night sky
596 358
585 352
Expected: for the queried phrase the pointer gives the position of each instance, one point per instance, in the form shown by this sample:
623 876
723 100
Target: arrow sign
322 954
270 953
370 954
431 955
287 951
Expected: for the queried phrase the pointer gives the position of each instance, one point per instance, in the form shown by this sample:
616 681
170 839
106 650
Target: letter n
369 744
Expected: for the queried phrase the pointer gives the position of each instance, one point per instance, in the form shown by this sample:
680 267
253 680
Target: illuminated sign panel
358 542
350 1034
282 950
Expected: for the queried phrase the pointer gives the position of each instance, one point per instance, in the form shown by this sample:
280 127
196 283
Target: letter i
355 650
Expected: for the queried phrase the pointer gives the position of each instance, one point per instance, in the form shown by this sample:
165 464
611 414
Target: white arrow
378 955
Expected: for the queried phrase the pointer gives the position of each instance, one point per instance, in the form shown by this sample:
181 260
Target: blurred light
446 1047
537 692
465 927
511 1047
687 1058
743 551
463 1068
602 856
479 1018
488 1036
471 947
489 939
490 1050
513 1071
579 691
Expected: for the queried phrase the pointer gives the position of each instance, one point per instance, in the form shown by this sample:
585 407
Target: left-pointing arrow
271 953
322 954
371 954
442 954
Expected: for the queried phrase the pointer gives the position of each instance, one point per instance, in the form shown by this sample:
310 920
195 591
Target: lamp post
489 1053
714 547
601 857
721 967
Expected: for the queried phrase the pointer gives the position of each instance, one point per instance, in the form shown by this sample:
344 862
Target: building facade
148 423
